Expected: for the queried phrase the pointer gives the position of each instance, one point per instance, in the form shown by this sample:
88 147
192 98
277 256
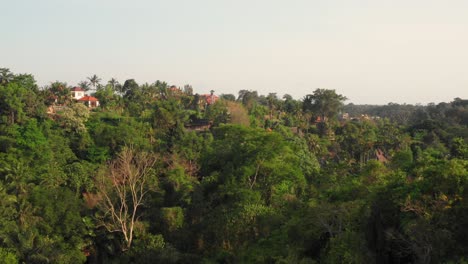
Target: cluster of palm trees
93 83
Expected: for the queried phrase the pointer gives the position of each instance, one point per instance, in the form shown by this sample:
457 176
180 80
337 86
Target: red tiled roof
210 99
88 98
76 89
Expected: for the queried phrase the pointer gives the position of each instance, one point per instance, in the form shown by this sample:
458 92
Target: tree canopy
160 174
324 103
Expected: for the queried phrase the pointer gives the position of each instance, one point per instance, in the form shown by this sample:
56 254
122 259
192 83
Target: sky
371 51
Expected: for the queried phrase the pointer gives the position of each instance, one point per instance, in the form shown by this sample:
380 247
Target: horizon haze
373 52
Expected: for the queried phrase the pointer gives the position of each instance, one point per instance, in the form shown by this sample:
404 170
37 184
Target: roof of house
88 98
77 89
210 99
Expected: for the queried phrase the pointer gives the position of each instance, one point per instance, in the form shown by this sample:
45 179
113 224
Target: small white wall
77 95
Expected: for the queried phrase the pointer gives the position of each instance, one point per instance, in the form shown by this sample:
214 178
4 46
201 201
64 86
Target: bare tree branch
123 189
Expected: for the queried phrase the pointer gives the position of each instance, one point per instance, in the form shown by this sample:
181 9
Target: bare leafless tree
122 189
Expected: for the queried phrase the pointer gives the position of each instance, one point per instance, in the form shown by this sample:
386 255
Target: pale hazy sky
374 51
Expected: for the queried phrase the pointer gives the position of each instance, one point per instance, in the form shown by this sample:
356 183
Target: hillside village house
89 101
208 99
78 94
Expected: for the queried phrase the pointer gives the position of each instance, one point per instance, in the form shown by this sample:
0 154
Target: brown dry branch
123 188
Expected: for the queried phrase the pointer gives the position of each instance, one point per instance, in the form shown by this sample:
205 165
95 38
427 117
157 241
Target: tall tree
248 98
188 89
324 103
130 87
12 102
123 189
94 81
272 101
5 75
60 92
113 83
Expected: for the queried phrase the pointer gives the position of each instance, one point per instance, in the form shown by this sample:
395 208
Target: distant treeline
154 173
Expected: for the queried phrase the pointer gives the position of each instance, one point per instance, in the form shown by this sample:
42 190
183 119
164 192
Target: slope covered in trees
157 174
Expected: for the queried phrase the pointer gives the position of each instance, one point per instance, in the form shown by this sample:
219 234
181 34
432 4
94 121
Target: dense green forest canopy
159 174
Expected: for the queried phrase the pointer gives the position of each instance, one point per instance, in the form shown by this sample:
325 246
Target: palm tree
84 84
271 99
162 88
113 83
5 76
94 81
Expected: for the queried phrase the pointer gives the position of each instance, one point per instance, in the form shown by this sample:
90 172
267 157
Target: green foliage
324 103
6 76
267 182
73 118
148 248
173 217
107 97
110 134
62 223
58 93
30 136
348 247
403 160
12 103
459 148
80 176
7 257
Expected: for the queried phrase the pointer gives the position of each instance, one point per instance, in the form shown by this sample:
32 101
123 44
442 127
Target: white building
77 93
